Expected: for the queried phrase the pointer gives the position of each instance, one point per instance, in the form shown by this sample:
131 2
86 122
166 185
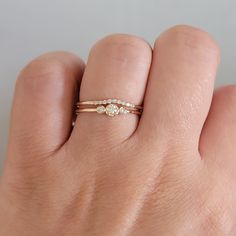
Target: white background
29 28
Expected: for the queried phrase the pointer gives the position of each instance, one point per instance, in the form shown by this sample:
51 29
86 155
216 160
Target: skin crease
171 172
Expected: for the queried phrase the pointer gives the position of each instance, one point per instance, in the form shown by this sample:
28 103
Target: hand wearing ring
169 169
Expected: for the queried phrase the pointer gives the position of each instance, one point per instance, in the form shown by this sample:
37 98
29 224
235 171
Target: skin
171 172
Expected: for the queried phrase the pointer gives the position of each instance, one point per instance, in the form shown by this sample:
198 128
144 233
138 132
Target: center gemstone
112 110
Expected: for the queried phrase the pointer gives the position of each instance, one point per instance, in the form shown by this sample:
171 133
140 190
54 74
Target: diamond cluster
110 107
111 110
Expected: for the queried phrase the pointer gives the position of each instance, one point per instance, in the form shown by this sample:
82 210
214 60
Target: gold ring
110 107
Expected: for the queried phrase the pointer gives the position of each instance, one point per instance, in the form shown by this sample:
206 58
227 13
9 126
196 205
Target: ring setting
110 107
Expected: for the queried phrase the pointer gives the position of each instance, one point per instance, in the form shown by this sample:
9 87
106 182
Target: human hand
171 172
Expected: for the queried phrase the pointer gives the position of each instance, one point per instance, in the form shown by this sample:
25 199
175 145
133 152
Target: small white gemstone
114 100
123 103
112 110
109 101
119 101
101 109
123 110
104 102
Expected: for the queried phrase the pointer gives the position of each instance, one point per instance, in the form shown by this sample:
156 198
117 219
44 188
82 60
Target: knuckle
34 179
39 68
48 66
124 48
190 37
215 207
30 179
218 219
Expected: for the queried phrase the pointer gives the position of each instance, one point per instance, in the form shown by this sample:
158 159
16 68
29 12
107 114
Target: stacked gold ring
110 107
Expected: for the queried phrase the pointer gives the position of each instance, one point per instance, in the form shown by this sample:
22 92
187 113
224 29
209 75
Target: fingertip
51 62
190 36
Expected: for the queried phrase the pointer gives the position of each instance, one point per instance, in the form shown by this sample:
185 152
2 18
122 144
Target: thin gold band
95 106
109 101
83 110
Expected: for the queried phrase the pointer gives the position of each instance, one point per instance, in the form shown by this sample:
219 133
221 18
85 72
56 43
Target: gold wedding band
110 107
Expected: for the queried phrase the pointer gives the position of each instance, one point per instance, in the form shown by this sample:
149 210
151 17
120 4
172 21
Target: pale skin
169 172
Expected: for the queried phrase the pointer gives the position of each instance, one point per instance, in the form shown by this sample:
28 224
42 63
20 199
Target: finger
117 67
180 86
218 139
42 110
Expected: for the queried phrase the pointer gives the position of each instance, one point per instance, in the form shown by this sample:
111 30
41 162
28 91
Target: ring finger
118 67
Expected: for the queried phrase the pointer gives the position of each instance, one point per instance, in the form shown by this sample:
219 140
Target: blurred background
29 28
